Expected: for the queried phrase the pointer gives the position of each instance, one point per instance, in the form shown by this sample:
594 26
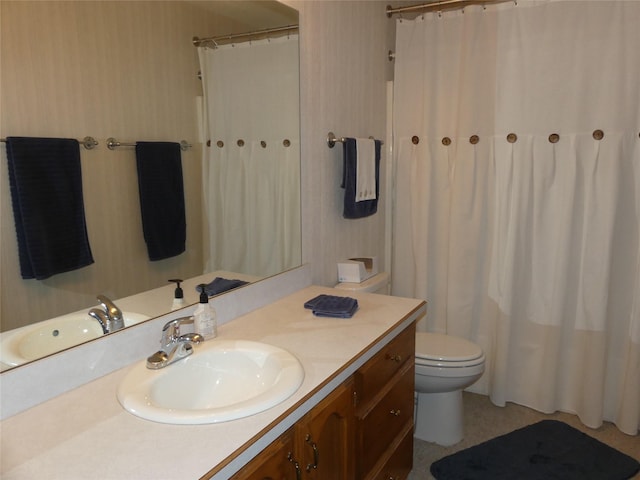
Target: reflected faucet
174 346
110 318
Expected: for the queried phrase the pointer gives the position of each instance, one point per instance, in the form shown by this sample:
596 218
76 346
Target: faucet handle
171 330
113 312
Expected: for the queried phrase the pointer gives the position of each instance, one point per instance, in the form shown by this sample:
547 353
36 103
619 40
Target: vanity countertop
85 433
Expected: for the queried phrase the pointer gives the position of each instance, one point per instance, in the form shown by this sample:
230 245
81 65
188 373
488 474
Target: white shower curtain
516 132
251 169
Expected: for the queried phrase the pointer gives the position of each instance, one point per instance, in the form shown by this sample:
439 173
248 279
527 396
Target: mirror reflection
129 70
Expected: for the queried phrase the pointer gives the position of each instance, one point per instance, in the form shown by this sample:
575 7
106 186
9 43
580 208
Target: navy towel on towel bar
45 179
353 208
161 192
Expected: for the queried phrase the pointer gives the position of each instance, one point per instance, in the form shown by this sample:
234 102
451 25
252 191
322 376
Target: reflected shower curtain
518 196
251 170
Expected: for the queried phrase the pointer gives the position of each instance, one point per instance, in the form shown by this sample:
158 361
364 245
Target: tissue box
357 270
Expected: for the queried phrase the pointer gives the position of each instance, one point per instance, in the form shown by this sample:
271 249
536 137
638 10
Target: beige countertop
85 433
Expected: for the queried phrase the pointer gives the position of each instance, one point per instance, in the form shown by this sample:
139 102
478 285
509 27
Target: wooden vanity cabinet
275 462
363 430
325 437
318 447
384 411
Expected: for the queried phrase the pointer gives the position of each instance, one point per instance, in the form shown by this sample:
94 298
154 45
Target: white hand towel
365 169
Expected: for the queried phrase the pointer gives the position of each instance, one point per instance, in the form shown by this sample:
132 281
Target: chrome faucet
110 318
174 346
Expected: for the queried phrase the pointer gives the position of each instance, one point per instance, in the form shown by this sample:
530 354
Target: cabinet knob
395 413
395 358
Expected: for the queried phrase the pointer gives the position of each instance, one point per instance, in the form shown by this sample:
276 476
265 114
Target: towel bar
112 144
332 139
87 142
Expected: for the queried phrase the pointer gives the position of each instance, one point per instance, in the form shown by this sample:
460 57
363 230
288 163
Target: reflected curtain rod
199 41
440 5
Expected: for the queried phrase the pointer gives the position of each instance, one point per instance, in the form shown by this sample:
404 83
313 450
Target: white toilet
445 365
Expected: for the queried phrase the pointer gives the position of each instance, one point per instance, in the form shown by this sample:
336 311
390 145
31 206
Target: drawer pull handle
316 454
296 465
395 413
395 358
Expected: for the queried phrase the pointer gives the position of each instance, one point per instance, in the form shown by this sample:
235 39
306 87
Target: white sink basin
222 380
50 336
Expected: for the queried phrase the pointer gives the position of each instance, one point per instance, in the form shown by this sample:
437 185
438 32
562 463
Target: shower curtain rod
440 5
199 41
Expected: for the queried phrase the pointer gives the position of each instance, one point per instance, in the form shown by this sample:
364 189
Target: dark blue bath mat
545 450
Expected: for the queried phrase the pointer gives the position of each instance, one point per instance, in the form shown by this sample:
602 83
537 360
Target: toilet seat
434 349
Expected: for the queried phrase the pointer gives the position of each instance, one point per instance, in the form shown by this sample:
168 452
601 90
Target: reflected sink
50 336
222 380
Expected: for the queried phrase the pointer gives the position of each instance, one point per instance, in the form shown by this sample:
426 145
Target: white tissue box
357 270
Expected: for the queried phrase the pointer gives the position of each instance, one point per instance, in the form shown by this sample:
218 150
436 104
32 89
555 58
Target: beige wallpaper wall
105 69
344 68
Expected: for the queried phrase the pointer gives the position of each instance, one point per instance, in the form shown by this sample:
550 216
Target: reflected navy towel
332 306
220 285
45 179
353 209
161 198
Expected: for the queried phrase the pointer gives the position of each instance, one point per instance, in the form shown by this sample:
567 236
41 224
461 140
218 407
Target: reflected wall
106 69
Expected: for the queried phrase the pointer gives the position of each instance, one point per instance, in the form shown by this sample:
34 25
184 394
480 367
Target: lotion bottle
178 295
204 316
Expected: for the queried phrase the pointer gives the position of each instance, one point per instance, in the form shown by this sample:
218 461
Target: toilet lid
447 348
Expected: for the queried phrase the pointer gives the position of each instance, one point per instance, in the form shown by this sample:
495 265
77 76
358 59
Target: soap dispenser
178 295
205 316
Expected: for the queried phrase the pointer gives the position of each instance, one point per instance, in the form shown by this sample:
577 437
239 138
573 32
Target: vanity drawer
380 426
400 463
373 376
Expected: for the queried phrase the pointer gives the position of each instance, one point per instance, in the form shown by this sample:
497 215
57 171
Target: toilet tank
379 283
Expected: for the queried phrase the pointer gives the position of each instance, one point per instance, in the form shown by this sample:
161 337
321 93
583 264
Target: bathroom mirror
126 70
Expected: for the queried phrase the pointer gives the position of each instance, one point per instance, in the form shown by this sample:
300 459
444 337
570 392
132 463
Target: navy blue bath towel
365 208
161 198
45 179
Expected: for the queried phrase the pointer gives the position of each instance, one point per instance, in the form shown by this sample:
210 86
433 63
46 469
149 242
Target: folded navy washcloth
45 178
332 306
161 192
220 285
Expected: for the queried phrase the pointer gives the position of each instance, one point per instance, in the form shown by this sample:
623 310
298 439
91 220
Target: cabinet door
325 437
276 462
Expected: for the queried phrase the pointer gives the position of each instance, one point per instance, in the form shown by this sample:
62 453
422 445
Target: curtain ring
220 143
598 134
415 140
474 139
512 138
263 144
446 141
240 143
554 138
286 142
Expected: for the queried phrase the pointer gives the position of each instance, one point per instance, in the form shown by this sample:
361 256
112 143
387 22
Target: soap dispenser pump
205 316
178 295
